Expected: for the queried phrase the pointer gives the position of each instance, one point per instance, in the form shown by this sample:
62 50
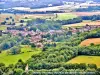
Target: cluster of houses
36 37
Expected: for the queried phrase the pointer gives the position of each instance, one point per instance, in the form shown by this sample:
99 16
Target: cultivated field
19 17
82 24
87 42
86 13
12 59
86 59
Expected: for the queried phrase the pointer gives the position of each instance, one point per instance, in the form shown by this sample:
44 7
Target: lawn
87 42
65 16
12 59
3 27
86 59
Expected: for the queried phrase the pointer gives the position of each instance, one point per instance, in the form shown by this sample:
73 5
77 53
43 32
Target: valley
57 36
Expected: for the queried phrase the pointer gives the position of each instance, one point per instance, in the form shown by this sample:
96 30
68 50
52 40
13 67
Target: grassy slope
12 59
86 59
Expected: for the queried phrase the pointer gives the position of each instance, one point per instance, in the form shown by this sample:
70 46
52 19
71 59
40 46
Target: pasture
86 59
12 59
87 42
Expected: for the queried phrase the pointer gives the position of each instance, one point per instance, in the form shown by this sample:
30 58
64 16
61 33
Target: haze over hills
35 3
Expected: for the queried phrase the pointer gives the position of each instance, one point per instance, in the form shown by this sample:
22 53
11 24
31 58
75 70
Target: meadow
27 52
86 59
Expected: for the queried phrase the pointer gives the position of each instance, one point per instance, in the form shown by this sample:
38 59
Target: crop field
12 59
65 16
86 13
18 17
82 24
87 42
86 59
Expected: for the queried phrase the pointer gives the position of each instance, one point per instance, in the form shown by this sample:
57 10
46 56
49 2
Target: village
36 37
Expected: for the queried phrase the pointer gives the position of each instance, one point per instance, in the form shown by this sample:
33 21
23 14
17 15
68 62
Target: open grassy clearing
86 59
87 42
12 59
82 24
65 16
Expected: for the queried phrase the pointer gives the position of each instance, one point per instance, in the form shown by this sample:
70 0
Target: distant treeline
89 9
70 21
28 12
93 17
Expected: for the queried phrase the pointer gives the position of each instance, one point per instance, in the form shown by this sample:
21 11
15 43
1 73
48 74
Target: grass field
3 27
86 59
12 59
65 16
82 24
87 42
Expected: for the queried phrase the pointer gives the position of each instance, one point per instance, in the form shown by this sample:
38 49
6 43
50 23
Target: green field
86 59
65 16
3 27
12 59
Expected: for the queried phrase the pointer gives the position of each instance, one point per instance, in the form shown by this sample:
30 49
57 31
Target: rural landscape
54 37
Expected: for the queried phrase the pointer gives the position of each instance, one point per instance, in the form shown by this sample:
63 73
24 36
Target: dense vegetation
89 9
45 25
92 18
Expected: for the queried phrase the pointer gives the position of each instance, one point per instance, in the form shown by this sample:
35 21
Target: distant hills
35 3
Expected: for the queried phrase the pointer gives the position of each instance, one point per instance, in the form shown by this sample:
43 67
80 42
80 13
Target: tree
18 72
15 50
21 21
62 69
25 42
0 51
92 66
1 72
33 45
92 44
